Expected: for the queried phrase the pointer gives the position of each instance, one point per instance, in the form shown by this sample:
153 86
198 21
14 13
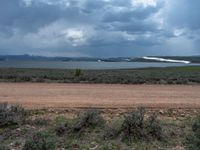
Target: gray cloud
99 27
183 14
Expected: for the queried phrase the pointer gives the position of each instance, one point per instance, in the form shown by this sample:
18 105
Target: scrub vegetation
169 75
100 130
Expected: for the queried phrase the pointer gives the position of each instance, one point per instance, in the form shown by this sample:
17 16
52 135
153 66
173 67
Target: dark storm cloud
98 27
127 13
14 14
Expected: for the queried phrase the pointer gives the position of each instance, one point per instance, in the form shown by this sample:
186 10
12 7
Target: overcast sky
100 28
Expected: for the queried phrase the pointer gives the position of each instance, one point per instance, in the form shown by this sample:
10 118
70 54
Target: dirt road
40 95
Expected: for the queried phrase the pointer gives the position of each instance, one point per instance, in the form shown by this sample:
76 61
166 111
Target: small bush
40 141
62 125
24 78
113 129
3 147
77 72
90 118
133 125
196 127
11 114
154 127
61 120
39 80
60 129
193 139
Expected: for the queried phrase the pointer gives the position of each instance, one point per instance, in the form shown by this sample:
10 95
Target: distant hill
22 57
193 59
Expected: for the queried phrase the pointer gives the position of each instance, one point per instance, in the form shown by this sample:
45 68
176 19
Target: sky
99 28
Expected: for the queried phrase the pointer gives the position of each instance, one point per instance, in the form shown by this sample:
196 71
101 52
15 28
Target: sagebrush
11 114
40 141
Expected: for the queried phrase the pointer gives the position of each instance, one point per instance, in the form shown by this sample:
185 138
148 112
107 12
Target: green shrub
133 125
77 72
60 120
113 129
24 78
11 114
193 139
196 127
60 129
39 80
3 147
40 141
62 125
89 118
154 127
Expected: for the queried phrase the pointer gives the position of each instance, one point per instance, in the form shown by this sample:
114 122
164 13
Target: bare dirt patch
54 95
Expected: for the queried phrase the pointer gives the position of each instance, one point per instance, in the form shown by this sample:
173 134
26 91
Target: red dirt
54 95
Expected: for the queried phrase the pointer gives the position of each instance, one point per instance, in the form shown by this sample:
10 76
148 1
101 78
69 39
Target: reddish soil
55 95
